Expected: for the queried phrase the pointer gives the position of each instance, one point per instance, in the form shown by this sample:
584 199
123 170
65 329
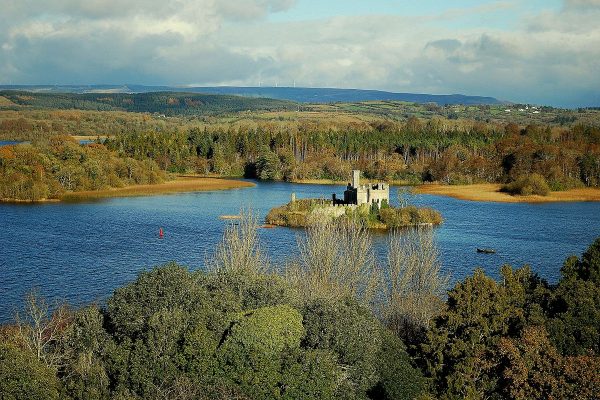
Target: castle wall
368 193
378 194
362 195
355 178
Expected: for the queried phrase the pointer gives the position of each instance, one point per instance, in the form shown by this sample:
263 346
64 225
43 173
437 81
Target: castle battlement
366 193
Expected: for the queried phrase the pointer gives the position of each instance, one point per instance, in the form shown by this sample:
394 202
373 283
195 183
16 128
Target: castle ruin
366 193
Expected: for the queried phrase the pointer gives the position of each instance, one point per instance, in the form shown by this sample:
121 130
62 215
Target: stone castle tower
366 193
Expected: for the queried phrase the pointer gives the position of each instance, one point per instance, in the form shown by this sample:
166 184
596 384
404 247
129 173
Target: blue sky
315 9
543 52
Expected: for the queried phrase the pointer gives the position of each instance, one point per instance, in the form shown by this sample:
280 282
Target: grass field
88 137
179 185
491 192
4 102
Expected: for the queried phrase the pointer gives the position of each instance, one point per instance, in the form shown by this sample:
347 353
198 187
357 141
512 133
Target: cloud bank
550 56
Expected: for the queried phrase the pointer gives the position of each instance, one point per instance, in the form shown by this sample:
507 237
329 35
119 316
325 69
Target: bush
310 374
343 327
564 183
398 379
23 376
456 178
410 215
527 185
131 307
252 351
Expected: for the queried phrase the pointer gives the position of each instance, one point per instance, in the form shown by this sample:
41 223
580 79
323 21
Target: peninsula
491 192
181 184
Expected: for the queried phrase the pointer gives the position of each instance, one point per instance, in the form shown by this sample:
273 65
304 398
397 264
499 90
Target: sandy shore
179 185
491 192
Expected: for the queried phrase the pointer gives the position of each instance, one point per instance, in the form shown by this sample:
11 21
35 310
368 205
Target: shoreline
490 192
343 183
484 192
181 184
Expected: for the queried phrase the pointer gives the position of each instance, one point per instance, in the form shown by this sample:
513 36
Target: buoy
161 234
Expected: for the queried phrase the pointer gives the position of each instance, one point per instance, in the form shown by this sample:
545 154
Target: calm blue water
9 142
82 252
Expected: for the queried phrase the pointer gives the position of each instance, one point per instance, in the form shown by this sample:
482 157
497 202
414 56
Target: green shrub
23 376
294 214
171 286
526 185
456 178
252 351
410 215
398 379
575 326
564 183
84 373
352 333
310 374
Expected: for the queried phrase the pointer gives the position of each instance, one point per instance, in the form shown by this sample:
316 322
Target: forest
412 152
315 328
167 103
60 165
393 141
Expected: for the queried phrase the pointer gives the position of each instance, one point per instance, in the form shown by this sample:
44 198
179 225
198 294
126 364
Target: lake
81 252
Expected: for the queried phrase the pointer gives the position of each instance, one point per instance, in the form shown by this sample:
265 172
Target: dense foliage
526 185
437 150
23 376
176 334
233 332
168 103
387 140
519 338
48 170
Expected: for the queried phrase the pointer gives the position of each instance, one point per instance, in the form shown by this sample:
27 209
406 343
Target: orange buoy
161 234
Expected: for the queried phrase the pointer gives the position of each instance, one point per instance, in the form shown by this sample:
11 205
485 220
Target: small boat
486 251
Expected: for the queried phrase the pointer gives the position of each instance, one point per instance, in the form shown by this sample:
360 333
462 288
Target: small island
367 203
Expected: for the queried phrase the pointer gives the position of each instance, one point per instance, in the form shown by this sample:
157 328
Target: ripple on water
81 252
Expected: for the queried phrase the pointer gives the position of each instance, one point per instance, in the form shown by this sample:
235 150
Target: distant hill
168 103
327 95
301 95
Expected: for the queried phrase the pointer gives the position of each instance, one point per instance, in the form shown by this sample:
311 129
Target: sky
535 51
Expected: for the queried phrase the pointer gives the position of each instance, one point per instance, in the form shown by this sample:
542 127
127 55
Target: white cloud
552 57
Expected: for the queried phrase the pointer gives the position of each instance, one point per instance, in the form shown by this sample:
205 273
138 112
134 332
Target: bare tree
239 251
41 331
336 260
405 196
414 281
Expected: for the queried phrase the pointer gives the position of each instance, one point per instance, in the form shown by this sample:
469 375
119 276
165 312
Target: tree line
414 151
332 323
168 103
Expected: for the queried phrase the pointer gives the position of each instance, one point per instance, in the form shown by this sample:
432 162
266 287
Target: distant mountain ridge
297 94
165 102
